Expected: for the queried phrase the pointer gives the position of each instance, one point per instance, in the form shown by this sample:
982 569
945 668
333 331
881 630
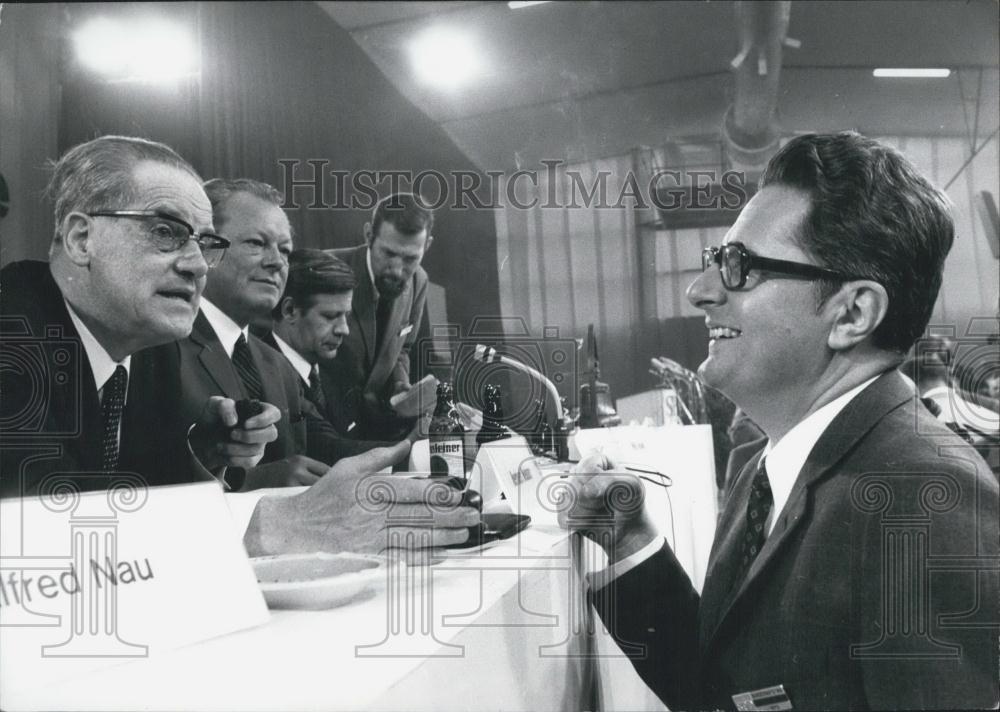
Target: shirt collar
786 457
371 272
102 365
225 328
302 367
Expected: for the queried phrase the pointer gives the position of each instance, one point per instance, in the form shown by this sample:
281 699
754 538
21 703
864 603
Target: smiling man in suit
856 561
373 362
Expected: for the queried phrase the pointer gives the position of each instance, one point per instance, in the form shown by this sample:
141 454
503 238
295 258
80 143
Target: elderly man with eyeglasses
855 565
127 264
87 389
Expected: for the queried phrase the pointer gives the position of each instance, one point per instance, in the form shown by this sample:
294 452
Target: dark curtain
284 81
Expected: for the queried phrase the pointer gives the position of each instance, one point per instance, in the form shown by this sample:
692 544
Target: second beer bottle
447 435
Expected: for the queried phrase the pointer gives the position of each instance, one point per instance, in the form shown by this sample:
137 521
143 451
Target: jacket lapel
851 424
214 359
384 363
363 305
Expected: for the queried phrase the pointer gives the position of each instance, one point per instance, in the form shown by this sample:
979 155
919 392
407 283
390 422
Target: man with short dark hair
373 362
855 563
310 321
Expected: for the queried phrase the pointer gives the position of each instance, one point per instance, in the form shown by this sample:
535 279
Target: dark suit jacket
361 379
51 413
206 370
866 593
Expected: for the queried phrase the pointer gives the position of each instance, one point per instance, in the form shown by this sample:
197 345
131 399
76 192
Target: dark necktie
382 311
247 369
316 390
758 507
112 403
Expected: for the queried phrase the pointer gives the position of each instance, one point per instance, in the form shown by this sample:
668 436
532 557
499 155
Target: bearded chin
389 287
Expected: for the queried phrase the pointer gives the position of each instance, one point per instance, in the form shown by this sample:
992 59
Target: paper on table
418 400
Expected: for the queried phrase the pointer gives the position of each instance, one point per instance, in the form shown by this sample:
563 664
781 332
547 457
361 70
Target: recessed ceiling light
445 57
912 73
137 50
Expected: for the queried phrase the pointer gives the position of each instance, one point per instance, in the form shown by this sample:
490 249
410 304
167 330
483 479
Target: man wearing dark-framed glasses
831 582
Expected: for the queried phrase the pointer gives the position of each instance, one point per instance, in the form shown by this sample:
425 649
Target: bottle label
447 457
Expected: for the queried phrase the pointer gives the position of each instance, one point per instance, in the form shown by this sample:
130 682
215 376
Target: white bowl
316 581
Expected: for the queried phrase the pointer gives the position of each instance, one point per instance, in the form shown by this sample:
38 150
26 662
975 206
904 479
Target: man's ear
427 245
858 308
369 234
76 234
289 312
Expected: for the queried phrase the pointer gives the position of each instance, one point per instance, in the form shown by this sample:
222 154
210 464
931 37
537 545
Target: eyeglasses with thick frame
173 233
735 262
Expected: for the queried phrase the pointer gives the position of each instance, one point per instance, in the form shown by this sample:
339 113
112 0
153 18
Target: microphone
487 354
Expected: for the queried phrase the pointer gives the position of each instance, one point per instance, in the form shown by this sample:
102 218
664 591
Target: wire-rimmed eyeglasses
169 233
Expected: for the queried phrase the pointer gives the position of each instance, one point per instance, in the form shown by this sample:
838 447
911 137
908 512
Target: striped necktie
112 404
316 394
247 369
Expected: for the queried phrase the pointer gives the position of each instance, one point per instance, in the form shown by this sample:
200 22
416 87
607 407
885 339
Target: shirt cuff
600 579
242 504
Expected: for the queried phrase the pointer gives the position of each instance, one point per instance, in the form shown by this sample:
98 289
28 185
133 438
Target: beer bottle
493 425
447 436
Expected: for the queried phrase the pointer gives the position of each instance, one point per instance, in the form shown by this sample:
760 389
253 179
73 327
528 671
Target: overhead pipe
750 128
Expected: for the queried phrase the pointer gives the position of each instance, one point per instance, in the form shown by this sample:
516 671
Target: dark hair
872 215
98 174
405 211
312 272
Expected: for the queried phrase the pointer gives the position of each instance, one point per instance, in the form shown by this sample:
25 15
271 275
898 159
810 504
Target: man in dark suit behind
310 323
856 561
81 397
373 362
221 356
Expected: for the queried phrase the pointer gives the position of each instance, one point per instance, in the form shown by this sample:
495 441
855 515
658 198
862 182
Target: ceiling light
913 73
140 50
445 57
518 4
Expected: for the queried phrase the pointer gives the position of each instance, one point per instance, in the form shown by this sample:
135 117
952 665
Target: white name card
531 488
108 577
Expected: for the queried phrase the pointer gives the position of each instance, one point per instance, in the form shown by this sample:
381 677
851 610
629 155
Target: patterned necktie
247 369
316 394
758 507
112 403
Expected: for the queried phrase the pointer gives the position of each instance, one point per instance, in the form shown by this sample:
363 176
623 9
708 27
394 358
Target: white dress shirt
225 328
102 366
301 366
784 461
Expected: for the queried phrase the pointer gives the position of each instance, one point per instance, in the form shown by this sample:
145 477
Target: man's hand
400 387
293 471
608 507
420 429
353 509
217 441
